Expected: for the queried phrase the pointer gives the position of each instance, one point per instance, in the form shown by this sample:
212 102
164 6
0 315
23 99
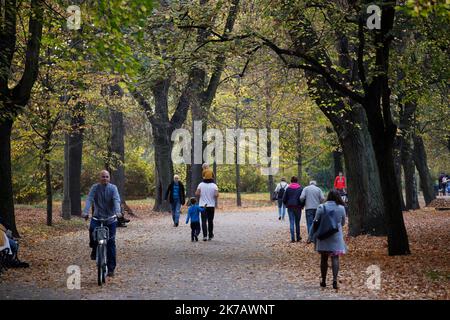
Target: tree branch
22 91
316 67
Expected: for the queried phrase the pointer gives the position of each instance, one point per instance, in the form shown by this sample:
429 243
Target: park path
159 261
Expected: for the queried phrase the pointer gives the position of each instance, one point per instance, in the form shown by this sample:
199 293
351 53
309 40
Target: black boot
335 286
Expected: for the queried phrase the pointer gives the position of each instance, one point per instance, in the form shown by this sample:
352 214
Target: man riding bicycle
106 200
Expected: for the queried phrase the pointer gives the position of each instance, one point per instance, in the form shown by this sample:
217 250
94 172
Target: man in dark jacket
291 200
176 196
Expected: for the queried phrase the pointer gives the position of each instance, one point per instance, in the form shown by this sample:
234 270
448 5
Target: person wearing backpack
328 235
278 195
291 200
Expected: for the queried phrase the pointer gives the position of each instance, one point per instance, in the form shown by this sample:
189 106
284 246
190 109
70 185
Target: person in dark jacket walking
291 200
176 196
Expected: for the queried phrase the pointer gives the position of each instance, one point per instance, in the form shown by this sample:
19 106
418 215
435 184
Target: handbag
326 226
275 196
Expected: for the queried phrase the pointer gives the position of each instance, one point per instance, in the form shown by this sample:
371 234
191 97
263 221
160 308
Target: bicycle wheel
100 259
99 275
104 264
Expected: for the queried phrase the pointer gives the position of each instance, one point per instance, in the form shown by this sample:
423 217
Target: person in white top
208 193
279 192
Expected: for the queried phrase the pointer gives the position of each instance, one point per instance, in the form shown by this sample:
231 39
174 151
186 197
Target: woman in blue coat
331 213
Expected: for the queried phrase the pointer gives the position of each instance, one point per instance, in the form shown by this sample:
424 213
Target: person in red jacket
339 183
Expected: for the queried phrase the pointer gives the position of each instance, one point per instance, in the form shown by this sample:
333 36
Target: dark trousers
195 229
110 245
294 222
207 222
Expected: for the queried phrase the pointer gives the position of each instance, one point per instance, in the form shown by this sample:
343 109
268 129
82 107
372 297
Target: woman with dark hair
331 243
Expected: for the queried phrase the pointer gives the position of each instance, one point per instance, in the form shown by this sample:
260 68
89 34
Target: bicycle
101 236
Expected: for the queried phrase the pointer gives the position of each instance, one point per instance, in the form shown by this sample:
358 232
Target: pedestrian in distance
278 196
176 195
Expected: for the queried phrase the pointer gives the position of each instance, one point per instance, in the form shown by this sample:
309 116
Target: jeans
110 245
294 220
281 209
195 229
14 246
207 222
176 206
310 214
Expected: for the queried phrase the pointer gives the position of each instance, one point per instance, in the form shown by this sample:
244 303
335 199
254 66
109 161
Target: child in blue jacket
194 215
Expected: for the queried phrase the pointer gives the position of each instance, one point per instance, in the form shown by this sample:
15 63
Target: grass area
258 196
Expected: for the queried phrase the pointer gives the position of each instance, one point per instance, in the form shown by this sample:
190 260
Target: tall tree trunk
238 184
189 193
270 182
162 131
205 91
215 179
398 166
118 150
6 191
237 165
66 207
14 100
164 168
420 159
412 201
48 190
198 145
299 150
382 131
75 158
366 210
337 161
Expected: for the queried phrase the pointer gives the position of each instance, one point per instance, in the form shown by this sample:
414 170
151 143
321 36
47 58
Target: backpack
280 193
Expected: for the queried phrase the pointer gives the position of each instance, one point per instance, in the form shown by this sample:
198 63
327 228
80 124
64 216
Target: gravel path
159 261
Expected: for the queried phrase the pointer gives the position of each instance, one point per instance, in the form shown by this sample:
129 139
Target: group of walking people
207 193
325 219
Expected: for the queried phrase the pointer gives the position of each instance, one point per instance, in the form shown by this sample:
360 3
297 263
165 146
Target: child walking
194 215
